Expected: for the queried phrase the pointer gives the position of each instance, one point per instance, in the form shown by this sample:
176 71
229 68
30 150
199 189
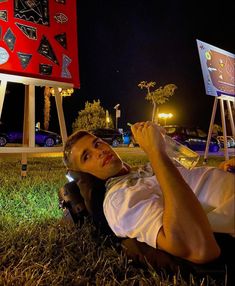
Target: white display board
218 69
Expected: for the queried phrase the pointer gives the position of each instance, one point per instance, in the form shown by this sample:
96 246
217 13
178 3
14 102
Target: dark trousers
221 269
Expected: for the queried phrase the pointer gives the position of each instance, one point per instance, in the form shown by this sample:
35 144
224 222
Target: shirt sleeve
135 213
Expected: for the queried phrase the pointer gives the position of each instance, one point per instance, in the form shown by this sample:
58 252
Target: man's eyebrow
95 140
86 150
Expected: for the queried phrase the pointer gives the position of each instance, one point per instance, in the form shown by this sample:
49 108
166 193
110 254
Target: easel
221 99
29 115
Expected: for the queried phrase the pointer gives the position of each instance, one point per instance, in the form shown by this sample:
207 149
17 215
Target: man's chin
113 170
118 170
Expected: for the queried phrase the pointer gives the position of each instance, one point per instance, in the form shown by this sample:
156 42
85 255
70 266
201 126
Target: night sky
124 42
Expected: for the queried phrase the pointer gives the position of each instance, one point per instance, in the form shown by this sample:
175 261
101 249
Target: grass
38 248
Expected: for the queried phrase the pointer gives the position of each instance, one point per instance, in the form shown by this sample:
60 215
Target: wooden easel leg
31 115
231 118
210 129
224 129
25 139
3 87
28 125
60 112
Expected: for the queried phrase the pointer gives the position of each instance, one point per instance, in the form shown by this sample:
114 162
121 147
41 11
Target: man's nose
101 153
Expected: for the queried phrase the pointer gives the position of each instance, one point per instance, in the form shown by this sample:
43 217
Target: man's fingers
227 164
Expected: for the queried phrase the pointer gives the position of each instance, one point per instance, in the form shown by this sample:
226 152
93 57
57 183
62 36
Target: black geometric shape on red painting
10 39
29 31
66 62
36 11
45 69
3 15
24 59
62 40
46 50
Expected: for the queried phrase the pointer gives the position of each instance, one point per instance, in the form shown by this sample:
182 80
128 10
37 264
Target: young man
167 207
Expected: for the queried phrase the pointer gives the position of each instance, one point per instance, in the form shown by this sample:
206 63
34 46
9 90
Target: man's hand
227 164
149 136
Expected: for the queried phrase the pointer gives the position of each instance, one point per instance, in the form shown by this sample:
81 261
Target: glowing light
165 116
62 92
107 118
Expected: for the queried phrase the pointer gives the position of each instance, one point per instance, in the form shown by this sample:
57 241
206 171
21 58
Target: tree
92 117
47 107
216 129
48 92
158 96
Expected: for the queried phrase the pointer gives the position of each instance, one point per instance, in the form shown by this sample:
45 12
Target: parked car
193 137
112 136
128 139
230 141
3 135
3 139
42 137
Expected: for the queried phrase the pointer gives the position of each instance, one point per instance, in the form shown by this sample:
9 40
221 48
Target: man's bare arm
186 231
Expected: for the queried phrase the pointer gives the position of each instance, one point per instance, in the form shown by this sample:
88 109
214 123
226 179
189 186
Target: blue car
42 137
128 139
111 136
3 139
193 137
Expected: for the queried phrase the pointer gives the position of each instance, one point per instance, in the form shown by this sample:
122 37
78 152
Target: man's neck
125 170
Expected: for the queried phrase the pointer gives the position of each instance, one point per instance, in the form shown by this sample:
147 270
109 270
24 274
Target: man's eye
86 157
98 143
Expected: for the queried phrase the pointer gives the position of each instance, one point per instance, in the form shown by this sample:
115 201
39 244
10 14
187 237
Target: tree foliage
91 117
161 94
216 129
47 107
230 111
157 96
48 92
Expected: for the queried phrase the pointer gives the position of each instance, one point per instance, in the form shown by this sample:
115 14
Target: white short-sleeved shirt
133 204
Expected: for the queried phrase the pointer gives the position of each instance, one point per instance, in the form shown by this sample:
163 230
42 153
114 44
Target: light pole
107 119
118 114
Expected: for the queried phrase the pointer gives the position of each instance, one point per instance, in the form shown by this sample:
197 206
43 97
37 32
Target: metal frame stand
222 99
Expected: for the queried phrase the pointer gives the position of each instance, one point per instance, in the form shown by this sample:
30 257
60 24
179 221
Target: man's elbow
198 251
204 255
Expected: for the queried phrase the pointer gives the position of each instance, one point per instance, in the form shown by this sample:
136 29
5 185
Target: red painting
38 38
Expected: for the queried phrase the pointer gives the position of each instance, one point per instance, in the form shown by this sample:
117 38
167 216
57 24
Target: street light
107 118
118 114
62 92
165 116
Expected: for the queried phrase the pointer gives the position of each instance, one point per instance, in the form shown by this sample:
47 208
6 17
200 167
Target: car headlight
58 139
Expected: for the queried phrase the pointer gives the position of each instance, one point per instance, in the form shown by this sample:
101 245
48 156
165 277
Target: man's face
94 156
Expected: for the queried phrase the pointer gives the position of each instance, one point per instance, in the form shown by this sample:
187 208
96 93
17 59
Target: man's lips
107 159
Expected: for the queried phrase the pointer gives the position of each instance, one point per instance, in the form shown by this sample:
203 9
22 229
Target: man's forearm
185 225
186 231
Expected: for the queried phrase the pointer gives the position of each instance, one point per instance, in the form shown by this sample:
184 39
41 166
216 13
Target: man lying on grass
167 207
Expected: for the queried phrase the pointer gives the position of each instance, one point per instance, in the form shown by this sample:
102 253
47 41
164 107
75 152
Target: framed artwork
38 39
218 68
